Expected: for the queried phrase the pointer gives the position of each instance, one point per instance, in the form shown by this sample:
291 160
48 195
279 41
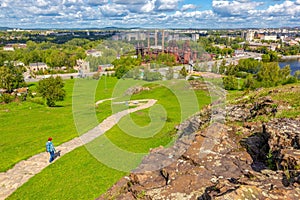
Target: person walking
50 148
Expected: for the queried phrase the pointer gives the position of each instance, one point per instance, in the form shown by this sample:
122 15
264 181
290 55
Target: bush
191 78
152 76
291 79
230 83
297 74
6 98
241 74
37 100
96 76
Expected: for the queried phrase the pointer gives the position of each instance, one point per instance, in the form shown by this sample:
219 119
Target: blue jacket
50 147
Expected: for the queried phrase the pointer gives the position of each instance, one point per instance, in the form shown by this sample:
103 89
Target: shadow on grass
56 106
31 84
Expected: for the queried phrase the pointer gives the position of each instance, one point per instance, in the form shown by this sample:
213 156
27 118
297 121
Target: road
63 76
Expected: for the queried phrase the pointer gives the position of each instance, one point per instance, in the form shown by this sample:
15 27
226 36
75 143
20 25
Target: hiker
50 148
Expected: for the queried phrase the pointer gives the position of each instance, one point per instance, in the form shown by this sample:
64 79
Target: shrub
6 98
230 83
96 76
291 79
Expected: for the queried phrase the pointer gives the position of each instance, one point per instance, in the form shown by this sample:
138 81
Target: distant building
14 63
249 36
8 47
83 67
272 46
195 37
38 66
93 53
293 42
239 52
269 37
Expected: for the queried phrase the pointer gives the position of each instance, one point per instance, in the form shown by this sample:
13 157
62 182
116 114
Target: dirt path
24 170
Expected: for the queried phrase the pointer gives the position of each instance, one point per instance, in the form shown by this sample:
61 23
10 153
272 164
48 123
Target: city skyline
149 13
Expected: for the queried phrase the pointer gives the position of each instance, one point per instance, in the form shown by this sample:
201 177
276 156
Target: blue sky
149 13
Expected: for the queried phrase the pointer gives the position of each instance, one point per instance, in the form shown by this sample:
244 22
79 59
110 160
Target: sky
149 13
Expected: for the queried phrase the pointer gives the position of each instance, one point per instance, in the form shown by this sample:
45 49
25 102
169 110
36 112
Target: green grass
75 176
26 126
287 96
78 175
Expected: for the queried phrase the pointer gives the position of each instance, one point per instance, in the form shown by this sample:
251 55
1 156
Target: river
294 64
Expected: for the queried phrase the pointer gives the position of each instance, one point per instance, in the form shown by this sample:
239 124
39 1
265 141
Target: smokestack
163 41
148 41
155 38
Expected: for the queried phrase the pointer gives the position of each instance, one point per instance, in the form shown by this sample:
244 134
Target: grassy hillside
26 126
88 171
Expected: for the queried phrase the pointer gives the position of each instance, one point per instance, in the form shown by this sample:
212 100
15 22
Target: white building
8 48
195 37
249 36
270 37
38 66
93 53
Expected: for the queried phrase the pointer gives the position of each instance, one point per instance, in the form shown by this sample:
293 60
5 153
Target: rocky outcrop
135 90
245 111
211 160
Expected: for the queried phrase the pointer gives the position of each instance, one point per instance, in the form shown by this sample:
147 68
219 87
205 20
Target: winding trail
24 170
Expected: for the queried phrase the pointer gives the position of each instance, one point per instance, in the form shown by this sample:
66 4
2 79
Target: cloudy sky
149 13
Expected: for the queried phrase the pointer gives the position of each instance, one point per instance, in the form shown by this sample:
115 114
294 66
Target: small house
38 66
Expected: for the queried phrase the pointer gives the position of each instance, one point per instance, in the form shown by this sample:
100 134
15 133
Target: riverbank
290 57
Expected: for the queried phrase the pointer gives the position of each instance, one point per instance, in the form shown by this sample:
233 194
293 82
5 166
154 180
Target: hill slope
254 155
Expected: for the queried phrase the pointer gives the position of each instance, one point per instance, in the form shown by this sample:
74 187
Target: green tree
214 68
96 76
123 65
230 83
152 76
270 56
222 67
122 70
265 58
285 73
170 73
249 82
11 77
268 75
51 89
183 72
297 74
136 73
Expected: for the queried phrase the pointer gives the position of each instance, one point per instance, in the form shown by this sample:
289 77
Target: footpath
24 170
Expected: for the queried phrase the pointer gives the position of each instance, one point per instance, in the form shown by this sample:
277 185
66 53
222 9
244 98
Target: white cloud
130 2
96 2
113 10
156 13
286 8
188 7
167 5
148 7
229 8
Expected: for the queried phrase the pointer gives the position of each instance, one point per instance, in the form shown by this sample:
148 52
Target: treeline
60 37
209 45
54 55
255 74
290 50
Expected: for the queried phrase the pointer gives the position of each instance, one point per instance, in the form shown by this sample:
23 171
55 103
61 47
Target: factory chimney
163 41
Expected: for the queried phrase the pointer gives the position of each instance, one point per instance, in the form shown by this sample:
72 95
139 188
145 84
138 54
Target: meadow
89 171
26 126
